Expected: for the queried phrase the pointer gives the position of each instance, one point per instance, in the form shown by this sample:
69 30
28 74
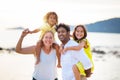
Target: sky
29 13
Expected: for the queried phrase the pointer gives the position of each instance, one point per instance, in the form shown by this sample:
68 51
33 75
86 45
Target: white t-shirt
46 69
71 57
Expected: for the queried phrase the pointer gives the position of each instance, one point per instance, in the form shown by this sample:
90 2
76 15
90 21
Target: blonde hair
48 15
47 32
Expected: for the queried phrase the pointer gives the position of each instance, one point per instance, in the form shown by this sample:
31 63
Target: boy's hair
67 28
48 15
84 29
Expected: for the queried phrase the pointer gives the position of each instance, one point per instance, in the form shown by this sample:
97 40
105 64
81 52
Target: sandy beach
20 67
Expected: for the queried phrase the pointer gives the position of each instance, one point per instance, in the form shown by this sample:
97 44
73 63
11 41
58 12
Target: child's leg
56 46
76 72
38 50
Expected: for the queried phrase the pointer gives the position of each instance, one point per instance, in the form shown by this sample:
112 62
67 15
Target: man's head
63 32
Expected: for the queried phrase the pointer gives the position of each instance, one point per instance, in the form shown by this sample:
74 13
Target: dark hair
85 32
67 28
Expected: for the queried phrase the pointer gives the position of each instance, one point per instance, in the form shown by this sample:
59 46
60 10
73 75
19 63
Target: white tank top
46 69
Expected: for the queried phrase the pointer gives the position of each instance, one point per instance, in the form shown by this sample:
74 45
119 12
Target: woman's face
79 33
48 39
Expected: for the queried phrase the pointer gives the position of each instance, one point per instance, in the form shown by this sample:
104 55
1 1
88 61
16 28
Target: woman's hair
47 32
48 15
85 32
44 35
66 27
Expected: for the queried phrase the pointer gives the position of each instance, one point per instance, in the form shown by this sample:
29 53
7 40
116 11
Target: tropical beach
106 55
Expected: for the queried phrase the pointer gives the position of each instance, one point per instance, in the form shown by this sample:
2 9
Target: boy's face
52 20
63 35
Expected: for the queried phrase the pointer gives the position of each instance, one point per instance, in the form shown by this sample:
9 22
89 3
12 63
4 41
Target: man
71 57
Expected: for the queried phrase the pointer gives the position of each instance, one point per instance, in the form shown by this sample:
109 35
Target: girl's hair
48 15
85 33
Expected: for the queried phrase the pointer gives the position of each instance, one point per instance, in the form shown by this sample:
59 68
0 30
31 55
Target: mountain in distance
106 26
16 28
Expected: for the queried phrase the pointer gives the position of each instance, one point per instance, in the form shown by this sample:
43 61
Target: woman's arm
27 50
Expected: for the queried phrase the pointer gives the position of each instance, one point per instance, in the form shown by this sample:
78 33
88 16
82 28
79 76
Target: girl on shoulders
79 35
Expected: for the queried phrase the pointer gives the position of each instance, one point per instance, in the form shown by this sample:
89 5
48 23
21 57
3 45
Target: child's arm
81 45
35 30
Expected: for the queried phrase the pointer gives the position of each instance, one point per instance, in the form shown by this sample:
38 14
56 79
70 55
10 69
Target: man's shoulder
71 43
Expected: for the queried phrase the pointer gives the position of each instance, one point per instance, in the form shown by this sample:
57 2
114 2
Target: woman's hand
25 32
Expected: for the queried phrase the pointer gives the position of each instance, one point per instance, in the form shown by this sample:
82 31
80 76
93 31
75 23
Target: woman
46 69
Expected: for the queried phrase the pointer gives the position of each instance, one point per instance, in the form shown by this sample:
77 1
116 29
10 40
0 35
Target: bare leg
76 73
56 46
83 78
38 50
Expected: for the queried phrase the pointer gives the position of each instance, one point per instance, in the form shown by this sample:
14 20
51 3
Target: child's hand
30 32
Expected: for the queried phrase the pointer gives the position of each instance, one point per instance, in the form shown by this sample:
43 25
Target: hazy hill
15 28
107 26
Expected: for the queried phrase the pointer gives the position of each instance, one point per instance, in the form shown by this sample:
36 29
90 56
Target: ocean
9 38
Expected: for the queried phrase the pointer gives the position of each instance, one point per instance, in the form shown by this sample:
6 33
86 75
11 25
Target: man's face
63 35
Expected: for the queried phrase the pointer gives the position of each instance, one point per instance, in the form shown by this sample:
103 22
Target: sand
20 67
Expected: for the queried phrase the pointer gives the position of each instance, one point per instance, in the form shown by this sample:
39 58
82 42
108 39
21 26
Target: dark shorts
36 79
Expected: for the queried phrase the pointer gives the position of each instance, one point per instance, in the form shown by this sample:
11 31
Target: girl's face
52 20
79 33
48 39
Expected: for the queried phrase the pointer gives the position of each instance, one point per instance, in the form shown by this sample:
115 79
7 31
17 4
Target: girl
79 35
51 20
